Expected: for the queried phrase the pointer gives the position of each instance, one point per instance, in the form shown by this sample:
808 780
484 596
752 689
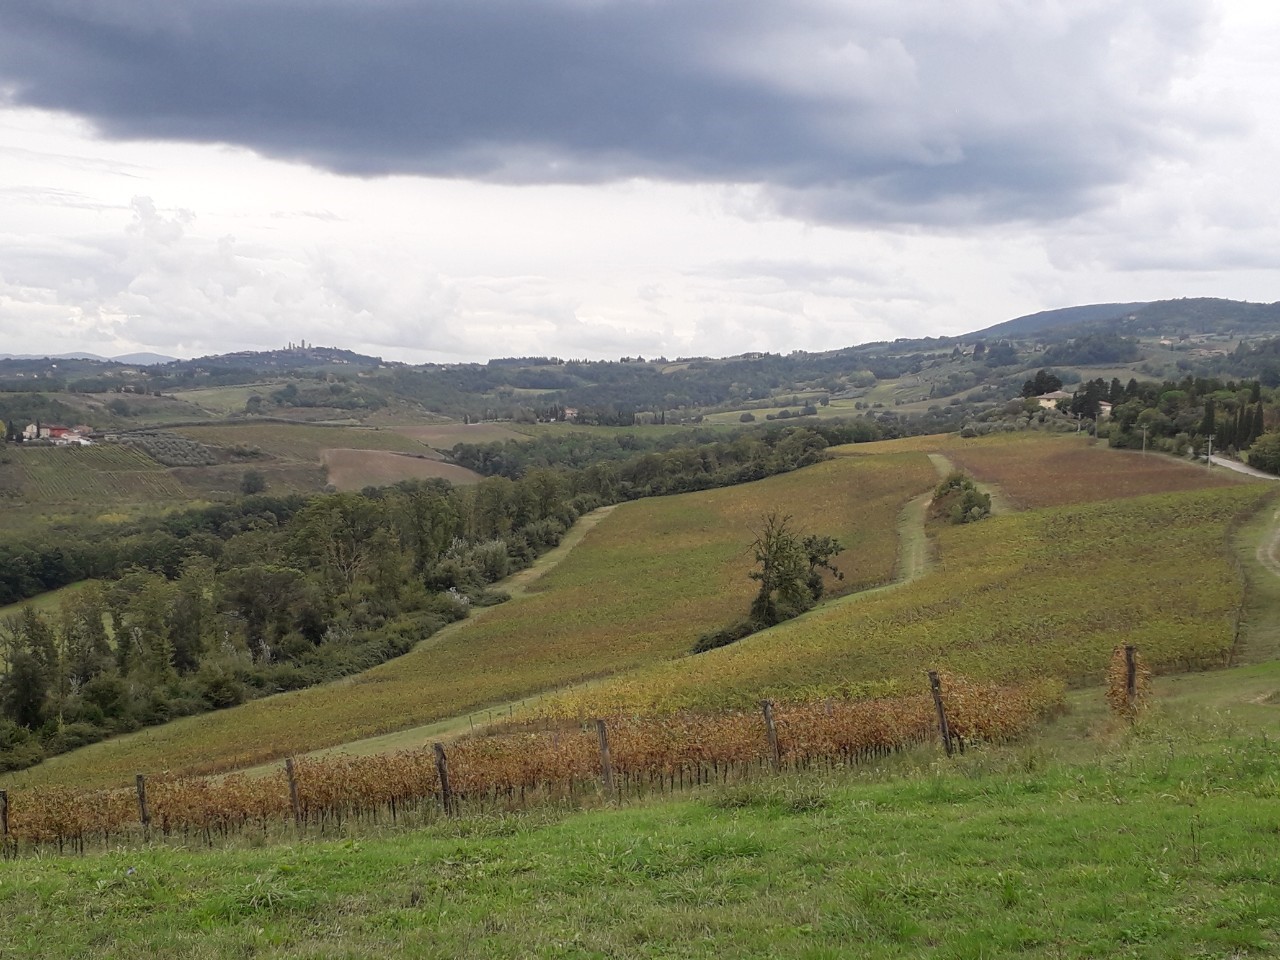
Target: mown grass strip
1159 850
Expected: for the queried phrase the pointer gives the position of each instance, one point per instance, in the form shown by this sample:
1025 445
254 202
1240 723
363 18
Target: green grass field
1159 844
46 603
225 401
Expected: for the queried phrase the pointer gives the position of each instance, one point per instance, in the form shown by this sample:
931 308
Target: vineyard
639 589
102 474
1052 470
619 757
1044 593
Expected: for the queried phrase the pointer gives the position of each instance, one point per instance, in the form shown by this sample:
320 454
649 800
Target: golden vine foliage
1118 685
508 765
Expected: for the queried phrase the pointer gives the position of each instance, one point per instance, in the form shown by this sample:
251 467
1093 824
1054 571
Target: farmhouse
60 435
1049 401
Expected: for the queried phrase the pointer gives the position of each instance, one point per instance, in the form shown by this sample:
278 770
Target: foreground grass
1162 846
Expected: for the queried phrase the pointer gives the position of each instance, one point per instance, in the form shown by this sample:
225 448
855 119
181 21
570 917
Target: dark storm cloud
954 112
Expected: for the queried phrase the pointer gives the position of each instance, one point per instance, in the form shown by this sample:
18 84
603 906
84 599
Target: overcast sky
459 179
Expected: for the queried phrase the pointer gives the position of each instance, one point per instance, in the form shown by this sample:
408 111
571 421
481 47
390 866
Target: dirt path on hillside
1257 549
914 559
1268 552
1239 467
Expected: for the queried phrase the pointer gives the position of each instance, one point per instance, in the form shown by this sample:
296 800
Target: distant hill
1053 321
54 356
144 359
295 358
1189 315
133 359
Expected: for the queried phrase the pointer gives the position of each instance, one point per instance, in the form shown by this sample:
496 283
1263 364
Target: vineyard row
618 756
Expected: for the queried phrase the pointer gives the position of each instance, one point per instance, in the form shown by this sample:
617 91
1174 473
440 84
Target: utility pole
1208 460
1144 439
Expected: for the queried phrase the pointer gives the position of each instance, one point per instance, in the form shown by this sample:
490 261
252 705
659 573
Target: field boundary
1256 544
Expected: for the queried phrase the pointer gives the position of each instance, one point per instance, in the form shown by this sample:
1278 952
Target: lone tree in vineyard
790 570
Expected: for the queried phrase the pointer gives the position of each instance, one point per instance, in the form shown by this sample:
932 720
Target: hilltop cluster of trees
1179 416
1093 349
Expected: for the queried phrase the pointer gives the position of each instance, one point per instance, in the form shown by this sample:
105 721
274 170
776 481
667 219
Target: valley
526 580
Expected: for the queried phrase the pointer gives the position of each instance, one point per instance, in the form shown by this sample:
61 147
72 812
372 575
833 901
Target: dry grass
443 436
357 469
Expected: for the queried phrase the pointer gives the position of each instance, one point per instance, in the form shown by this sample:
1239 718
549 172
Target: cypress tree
1208 423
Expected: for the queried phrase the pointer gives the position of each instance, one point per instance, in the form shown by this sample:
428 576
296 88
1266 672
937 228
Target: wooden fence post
293 792
775 755
442 771
144 814
4 816
1130 676
606 763
936 686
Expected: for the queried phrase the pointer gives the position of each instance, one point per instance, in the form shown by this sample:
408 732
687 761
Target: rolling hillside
1039 591
640 589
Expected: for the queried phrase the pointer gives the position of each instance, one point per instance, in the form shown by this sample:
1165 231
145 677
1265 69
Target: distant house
1104 410
1049 401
